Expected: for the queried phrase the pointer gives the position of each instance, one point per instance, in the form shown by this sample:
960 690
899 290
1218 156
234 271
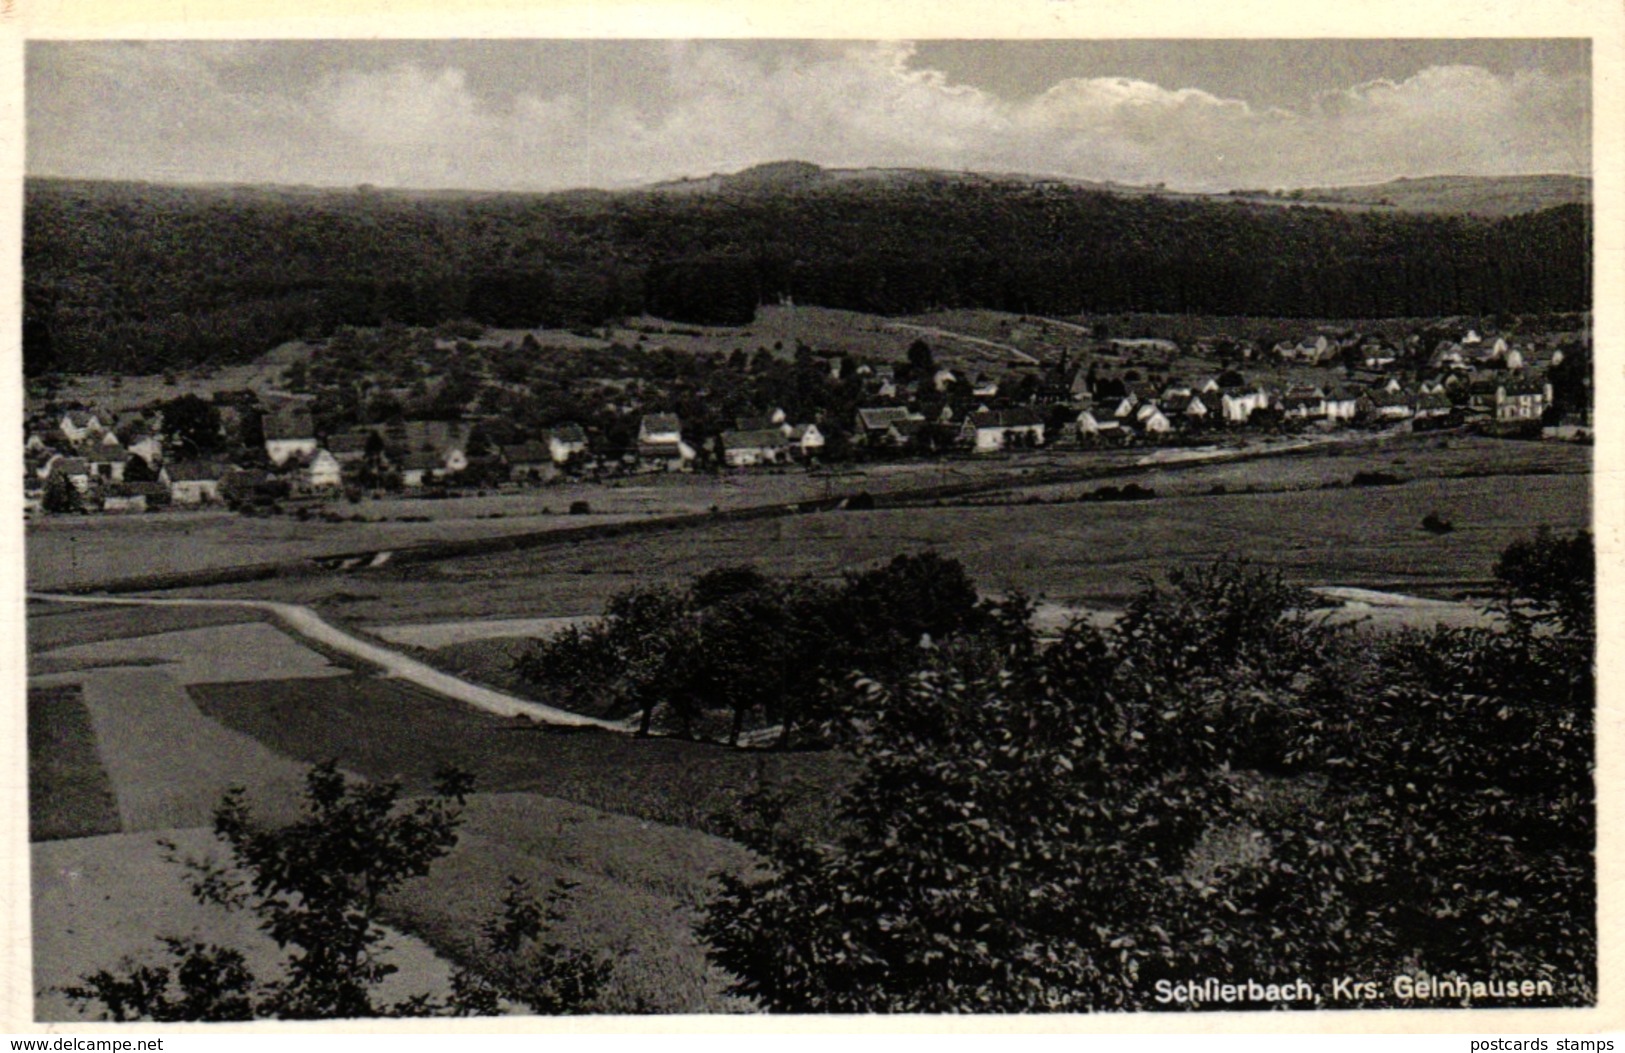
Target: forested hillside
139 278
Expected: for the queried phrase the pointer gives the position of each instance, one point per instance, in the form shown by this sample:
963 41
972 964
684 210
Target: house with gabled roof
994 430
529 461
565 441
807 441
289 432
1391 405
195 482
874 423
78 425
1522 399
75 469
742 449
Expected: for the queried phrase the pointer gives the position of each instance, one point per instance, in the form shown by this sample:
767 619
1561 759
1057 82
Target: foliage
136 278
740 642
317 886
191 424
1221 785
60 495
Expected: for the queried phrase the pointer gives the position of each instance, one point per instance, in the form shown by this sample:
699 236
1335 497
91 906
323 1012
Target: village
254 449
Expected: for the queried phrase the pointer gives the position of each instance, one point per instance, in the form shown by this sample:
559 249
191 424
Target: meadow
1297 513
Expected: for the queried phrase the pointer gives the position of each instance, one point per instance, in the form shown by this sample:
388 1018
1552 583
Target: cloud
195 110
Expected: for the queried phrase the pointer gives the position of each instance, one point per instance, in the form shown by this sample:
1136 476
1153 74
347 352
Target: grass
1089 553
638 891
55 625
69 793
1294 512
382 729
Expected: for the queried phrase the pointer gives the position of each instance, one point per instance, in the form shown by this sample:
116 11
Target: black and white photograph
542 526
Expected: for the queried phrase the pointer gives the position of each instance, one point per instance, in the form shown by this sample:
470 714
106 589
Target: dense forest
140 278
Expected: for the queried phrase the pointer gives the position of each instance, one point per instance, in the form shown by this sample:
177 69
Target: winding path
309 624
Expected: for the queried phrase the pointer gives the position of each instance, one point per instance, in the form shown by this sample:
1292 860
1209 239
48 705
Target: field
382 729
69 794
63 551
1302 517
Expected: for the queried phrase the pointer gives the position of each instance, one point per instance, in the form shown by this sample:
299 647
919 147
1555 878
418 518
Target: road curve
309 624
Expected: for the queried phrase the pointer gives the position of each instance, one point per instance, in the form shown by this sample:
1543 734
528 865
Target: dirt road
309 624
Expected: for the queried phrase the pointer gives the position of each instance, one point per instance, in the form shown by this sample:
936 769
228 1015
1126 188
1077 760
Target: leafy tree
192 424
921 358
61 495
1010 846
317 886
137 470
1221 785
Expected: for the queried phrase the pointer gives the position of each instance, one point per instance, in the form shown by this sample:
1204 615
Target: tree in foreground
317 886
1222 785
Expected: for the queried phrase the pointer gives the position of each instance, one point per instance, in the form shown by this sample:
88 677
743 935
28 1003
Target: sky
560 114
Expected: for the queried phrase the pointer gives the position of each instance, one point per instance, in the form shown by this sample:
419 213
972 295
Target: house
994 430
1343 404
1304 403
195 482
1088 426
321 471
882 382
118 498
1310 350
350 447
79 425
75 469
660 429
1376 356
943 379
660 443
874 423
148 447
1154 422
566 441
807 441
1432 405
107 462
985 387
529 462
1123 408
419 466
1391 405
1238 404
916 432
289 432
741 449
1517 401
1484 394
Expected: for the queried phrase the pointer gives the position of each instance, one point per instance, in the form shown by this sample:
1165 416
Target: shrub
317 884
1034 828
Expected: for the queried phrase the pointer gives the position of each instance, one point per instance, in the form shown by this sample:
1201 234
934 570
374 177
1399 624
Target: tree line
141 278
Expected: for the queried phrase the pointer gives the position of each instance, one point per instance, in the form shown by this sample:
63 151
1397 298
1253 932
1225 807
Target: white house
741 449
1238 406
194 483
995 430
806 439
565 441
79 425
289 433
